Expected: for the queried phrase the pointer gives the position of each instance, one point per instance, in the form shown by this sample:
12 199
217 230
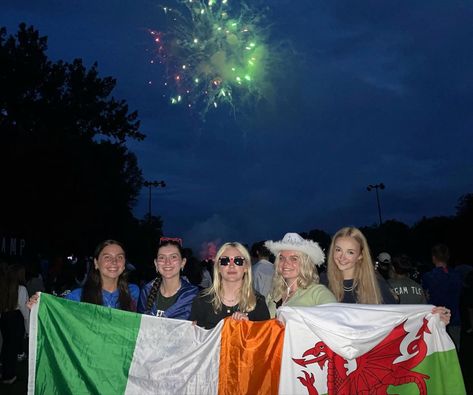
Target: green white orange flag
79 348
347 349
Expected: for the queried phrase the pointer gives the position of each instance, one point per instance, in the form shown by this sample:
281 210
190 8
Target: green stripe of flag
83 348
434 365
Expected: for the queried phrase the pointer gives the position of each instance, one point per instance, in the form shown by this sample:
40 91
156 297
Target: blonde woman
351 275
296 279
231 293
350 271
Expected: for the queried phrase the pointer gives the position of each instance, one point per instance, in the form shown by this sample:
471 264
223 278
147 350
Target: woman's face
111 262
289 265
169 262
228 265
346 254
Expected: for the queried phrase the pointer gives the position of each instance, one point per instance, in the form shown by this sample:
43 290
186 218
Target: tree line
68 178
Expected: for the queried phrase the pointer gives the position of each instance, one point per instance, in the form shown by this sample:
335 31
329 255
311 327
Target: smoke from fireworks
214 53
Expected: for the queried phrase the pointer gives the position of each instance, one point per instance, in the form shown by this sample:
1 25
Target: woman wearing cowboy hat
296 279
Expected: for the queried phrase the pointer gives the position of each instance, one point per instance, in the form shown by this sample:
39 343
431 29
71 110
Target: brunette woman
168 295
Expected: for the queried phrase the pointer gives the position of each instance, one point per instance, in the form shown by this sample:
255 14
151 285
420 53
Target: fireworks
214 54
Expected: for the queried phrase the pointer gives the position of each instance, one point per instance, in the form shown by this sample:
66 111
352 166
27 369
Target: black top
349 294
203 312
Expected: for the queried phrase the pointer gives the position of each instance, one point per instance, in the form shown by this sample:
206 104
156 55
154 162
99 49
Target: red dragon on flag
375 371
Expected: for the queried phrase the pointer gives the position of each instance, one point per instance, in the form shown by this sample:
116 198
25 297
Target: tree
67 174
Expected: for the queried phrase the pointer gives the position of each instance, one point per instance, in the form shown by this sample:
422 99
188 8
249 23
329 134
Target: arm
22 301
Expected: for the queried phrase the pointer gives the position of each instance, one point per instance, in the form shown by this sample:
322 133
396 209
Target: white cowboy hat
294 242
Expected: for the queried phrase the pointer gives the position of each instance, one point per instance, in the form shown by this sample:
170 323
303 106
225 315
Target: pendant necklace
288 292
230 309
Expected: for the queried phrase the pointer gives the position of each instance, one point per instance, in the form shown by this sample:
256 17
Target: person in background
35 281
14 318
408 291
384 265
263 269
193 271
231 293
106 283
207 269
442 286
296 279
168 295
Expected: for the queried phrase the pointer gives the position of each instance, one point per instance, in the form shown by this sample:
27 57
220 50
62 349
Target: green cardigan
314 295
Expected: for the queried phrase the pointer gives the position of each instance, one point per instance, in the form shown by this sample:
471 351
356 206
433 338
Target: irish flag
78 348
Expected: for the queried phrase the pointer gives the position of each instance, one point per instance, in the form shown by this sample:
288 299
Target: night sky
368 92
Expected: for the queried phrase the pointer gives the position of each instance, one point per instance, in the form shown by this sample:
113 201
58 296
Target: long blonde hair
308 275
365 282
247 296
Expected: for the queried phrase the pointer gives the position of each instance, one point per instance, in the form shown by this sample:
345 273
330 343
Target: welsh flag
347 349
78 348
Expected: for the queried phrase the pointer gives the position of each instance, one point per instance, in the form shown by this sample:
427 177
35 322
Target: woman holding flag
231 293
351 275
169 295
106 282
296 280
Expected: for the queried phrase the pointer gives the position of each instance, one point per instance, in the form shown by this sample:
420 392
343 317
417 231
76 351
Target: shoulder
188 287
22 290
75 295
260 298
134 291
320 294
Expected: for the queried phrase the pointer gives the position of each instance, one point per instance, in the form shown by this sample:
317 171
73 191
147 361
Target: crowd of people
290 272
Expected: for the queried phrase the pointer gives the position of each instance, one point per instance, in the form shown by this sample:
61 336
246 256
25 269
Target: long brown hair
92 290
364 281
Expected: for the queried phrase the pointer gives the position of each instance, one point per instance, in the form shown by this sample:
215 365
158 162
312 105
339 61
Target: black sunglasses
237 260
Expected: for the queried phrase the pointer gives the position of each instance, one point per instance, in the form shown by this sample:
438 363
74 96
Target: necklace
289 292
172 294
349 288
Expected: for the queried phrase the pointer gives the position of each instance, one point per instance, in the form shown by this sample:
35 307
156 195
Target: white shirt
263 271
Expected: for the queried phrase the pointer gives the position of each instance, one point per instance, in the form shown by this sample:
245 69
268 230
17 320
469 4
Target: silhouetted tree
67 175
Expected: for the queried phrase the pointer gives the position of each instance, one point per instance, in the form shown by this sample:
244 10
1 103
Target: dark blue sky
374 91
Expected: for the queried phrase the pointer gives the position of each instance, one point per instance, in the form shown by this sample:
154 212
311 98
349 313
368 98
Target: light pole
151 184
376 187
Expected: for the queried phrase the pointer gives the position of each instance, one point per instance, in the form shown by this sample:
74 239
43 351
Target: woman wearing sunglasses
231 293
168 295
296 280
